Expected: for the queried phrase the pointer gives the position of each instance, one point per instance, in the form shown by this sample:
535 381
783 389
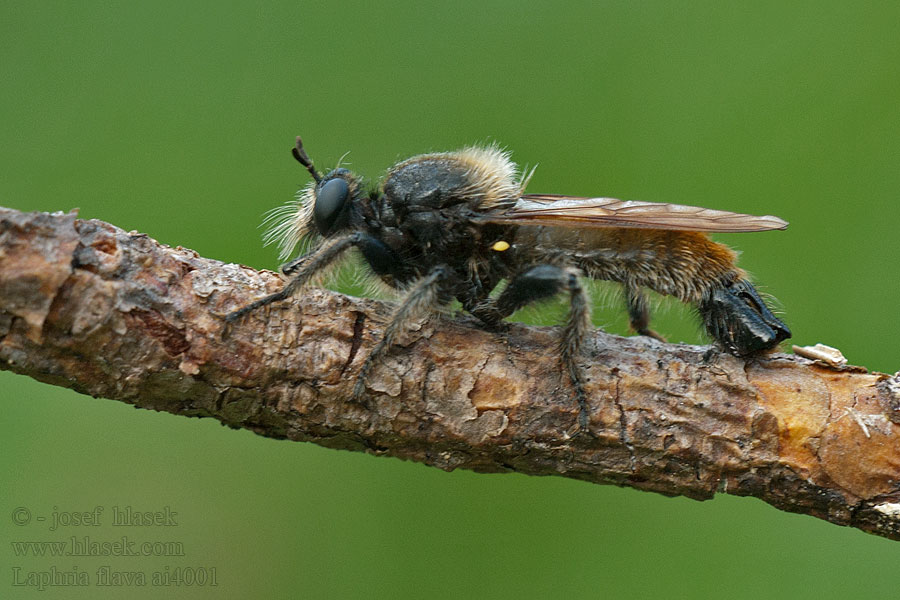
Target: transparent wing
572 211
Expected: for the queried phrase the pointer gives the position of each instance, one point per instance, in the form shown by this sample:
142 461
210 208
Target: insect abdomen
676 263
740 321
687 265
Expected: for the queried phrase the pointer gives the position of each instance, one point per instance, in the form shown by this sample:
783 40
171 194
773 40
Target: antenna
304 159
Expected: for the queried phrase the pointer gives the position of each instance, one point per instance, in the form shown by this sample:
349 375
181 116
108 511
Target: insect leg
575 331
639 311
423 297
302 269
545 281
292 266
529 286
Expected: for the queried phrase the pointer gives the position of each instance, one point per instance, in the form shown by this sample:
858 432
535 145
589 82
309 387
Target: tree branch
88 306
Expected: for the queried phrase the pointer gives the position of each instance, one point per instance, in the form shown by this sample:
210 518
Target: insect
455 225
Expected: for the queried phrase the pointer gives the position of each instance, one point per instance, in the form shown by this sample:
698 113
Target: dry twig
108 313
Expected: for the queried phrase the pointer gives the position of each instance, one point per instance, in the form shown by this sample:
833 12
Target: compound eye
330 201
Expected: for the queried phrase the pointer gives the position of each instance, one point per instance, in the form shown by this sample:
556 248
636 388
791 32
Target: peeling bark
88 306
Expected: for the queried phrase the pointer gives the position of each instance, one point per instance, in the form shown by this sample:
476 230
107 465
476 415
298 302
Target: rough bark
108 313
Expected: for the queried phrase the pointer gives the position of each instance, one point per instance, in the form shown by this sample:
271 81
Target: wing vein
575 211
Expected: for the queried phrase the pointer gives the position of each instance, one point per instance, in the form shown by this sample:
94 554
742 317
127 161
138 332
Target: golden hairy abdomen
677 263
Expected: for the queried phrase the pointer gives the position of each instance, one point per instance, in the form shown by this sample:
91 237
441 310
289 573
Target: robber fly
455 224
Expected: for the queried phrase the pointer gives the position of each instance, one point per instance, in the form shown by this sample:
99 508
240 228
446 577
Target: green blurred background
176 119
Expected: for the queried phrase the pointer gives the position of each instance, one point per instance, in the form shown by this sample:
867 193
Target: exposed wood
88 306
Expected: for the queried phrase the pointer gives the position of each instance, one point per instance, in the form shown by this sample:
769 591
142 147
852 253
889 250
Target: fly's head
321 209
329 199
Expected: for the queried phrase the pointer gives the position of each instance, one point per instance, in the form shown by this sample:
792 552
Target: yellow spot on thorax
500 246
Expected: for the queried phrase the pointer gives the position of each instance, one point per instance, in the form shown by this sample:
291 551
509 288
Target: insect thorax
429 201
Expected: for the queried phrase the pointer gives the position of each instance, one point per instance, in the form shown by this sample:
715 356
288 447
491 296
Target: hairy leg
639 311
539 283
424 297
302 269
